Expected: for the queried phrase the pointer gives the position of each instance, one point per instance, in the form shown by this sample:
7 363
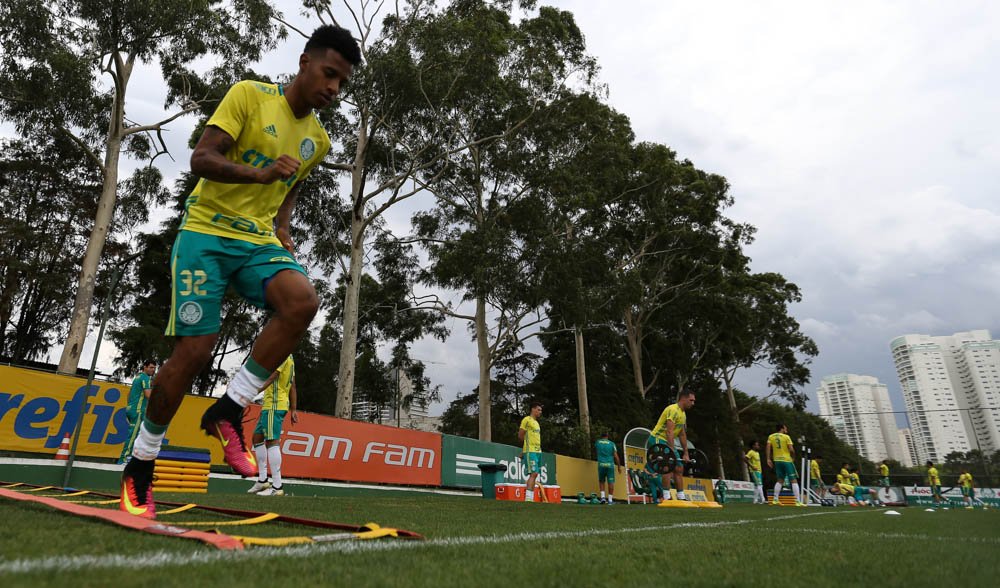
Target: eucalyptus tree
66 68
486 200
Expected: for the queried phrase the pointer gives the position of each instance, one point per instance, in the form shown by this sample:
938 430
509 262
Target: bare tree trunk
581 383
718 454
80 319
349 348
482 343
727 377
634 347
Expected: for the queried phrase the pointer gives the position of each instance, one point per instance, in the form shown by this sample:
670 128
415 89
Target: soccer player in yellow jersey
965 482
670 427
781 456
883 472
816 477
279 399
255 152
530 434
934 482
752 459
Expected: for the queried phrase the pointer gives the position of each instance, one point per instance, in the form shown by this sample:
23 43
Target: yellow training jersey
257 116
814 469
883 470
671 413
754 458
846 489
844 477
965 480
780 447
932 476
276 395
855 479
532 435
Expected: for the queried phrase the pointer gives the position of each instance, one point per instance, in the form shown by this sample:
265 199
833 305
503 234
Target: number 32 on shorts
192 282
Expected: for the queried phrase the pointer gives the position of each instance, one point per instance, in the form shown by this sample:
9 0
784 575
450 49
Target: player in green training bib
279 399
530 434
135 411
258 147
781 456
752 459
607 463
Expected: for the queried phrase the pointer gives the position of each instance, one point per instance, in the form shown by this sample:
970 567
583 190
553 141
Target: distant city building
951 386
411 414
909 450
859 410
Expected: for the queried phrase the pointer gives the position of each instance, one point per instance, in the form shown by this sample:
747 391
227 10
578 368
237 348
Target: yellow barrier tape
273 541
178 509
37 489
66 495
261 519
14 485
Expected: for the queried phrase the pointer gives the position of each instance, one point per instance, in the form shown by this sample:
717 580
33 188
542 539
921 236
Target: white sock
798 494
244 386
777 490
261 452
529 495
602 493
681 496
147 445
274 461
610 499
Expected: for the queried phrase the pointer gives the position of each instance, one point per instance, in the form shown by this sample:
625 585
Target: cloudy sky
861 138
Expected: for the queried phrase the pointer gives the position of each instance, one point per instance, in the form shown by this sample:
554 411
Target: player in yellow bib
252 158
279 399
670 428
816 476
968 488
530 434
934 482
752 459
780 456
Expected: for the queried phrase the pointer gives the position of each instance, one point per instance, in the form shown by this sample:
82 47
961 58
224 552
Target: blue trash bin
492 475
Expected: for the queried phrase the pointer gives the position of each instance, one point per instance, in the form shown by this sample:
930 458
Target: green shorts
785 471
816 483
970 492
935 490
884 482
533 461
606 473
203 266
757 478
269 424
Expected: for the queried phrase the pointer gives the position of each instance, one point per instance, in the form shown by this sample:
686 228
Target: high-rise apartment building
859 410
909 451
951 386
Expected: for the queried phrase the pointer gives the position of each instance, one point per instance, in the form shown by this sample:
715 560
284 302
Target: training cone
63 453
891 512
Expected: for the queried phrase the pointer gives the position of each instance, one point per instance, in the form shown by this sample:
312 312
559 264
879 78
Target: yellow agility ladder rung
253 521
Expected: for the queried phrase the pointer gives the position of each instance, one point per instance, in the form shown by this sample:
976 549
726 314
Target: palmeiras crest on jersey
307 148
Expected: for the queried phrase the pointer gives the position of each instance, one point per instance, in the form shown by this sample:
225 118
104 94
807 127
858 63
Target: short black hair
780 426
148 363
929 463
534 404
684 394
817 456
604 434
337 38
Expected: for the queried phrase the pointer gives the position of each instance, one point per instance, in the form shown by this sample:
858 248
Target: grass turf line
473 541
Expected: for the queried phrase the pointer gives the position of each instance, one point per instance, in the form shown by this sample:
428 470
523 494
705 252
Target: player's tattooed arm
209 161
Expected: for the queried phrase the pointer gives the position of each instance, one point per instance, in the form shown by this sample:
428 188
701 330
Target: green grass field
475 542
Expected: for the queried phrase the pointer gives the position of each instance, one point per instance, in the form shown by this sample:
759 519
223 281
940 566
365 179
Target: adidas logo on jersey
270 130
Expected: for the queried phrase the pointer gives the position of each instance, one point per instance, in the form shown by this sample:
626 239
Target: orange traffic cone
63 453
